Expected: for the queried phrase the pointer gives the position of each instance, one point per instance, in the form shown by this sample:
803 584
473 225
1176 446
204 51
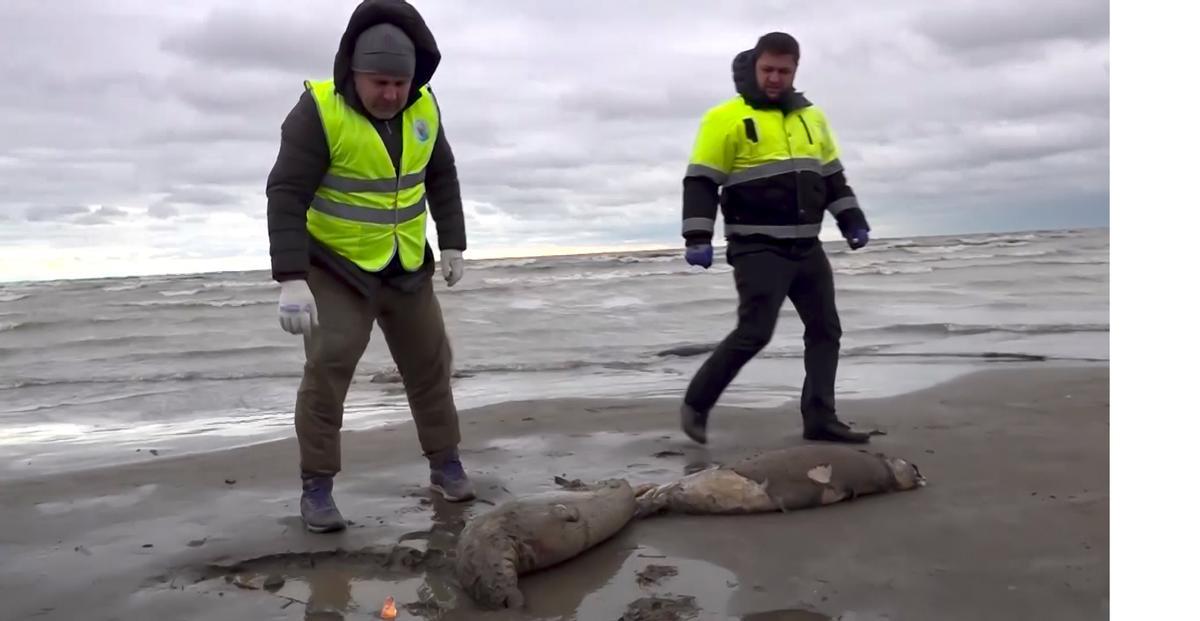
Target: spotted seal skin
797 477
535 532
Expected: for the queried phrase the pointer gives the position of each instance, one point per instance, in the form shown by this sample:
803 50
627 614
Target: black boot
694 423
834 431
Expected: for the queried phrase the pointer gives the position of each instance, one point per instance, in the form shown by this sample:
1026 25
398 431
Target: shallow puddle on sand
345 593
332 592
340 586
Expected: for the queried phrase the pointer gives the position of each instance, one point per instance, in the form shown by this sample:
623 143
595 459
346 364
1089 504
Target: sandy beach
1013 525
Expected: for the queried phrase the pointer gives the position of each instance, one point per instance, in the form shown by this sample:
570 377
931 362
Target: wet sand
1013 525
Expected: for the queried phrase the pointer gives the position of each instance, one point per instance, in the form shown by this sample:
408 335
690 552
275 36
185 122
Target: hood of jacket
398 13
746 83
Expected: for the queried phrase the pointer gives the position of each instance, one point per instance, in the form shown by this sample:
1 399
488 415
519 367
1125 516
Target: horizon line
517 257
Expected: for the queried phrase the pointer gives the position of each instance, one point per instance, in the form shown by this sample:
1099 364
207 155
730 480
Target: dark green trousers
413 327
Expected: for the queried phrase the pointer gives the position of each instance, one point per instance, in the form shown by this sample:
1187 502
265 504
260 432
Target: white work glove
297 308
452 266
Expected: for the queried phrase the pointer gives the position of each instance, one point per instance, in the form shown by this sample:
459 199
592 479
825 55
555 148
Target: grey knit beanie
384 48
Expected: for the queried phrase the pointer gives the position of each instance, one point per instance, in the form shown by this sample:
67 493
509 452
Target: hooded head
764 74
386 55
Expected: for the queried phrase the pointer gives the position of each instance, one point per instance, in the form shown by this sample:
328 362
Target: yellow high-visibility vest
366 210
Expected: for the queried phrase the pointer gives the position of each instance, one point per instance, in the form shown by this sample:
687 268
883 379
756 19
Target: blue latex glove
699 254
858 239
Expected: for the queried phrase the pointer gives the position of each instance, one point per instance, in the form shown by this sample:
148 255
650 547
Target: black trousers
765 274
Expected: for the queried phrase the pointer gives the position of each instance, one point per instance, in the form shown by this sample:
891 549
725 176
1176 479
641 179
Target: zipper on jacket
796 176
396 194
806 132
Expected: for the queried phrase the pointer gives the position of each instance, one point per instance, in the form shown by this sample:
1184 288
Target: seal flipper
831 494
565 513
776 500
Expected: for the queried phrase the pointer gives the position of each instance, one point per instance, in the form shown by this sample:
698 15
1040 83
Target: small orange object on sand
389 608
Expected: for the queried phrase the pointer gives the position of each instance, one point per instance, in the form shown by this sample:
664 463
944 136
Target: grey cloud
195 202
45 214
200 196
277 40
103 215
976 25
250 95
162 210
637 102
207 131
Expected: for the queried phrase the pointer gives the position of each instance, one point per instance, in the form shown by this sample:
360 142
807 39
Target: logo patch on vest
422 129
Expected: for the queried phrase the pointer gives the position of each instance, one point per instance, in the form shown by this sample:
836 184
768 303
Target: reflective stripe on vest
365 209
778 167
347 184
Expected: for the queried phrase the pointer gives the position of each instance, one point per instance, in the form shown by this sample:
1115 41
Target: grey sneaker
317 508
446 477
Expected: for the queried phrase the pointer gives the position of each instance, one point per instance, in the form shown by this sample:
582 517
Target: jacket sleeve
444 195
299 168
708 168
841 201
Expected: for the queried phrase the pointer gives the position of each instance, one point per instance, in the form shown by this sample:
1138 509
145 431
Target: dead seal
535 532
797 477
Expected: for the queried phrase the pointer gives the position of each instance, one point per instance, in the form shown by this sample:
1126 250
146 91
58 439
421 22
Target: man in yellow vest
769 159
363 162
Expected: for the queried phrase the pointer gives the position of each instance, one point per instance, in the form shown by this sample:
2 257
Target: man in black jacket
363 159
773 159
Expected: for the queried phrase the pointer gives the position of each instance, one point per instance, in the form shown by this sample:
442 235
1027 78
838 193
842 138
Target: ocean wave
197 303
662 258
377 375
239 284
954 250
12 297
1003 239
644 363
5 326
501 283
882 270
124 287
504 263
527 304
390 375
700 349
199 354
622 302
586 262
184 292
892 268
956 329
687 350
936 243
33 324
184 376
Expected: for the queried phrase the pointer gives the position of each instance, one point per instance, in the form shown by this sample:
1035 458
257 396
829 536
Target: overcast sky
137 135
